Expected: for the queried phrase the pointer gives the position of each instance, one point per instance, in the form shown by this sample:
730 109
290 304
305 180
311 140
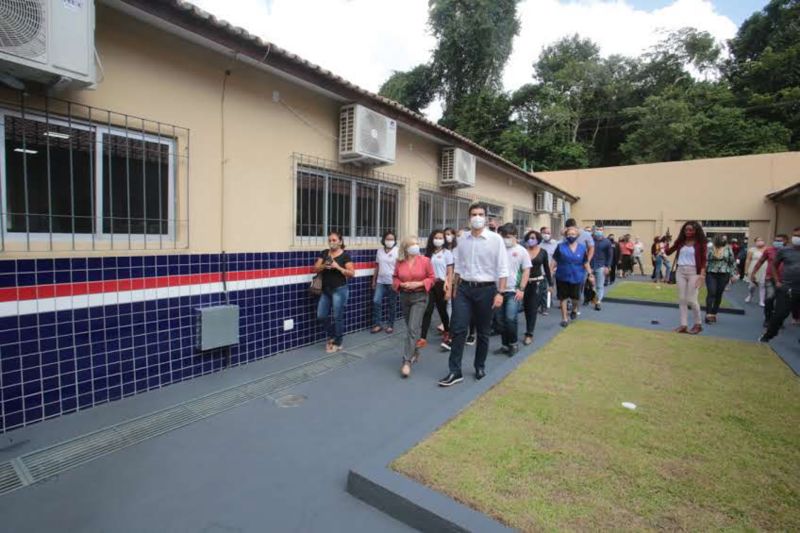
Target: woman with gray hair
413 279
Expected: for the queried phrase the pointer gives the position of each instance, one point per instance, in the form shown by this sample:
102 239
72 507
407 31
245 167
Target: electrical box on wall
217 326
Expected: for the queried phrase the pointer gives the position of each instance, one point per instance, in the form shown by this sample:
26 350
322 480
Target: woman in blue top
572 268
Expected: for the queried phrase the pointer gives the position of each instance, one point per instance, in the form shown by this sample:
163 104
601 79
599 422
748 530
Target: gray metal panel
218 326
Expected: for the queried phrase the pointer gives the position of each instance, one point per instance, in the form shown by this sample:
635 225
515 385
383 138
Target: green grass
714 442
651 292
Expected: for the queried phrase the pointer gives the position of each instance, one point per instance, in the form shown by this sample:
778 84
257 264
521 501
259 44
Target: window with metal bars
615 223
522 220
75 179
359 209
439 211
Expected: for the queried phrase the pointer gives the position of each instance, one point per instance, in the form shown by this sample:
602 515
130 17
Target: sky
364 41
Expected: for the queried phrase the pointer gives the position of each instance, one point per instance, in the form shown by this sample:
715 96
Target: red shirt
770 254
422 271
627 248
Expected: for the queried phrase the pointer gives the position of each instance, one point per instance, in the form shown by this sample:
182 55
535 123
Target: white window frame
349 235
99 235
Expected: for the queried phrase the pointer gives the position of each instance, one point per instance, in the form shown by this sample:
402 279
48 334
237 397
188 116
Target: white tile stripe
66 303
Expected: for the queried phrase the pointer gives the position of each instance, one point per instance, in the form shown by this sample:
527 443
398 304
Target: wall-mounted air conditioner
458 168
366 137
47 41
543 202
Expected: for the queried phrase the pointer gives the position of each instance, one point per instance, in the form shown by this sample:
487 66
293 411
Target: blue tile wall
60 362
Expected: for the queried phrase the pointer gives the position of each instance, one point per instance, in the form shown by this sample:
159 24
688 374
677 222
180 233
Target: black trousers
471 303
787 301
435 299
531 303
715 285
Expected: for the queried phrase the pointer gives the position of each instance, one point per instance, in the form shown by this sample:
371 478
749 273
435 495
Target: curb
722 310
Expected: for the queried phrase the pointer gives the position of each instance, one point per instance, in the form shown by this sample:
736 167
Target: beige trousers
687 277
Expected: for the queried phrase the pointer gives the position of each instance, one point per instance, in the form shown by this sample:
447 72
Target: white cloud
365 40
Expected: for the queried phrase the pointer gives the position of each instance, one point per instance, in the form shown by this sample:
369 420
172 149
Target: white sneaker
747 300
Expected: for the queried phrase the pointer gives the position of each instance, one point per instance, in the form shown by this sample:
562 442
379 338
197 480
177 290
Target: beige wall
660 196
152 74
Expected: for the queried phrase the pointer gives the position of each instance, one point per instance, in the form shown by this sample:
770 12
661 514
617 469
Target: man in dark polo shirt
786 275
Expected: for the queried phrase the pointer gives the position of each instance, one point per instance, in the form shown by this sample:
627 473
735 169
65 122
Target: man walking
481 273
786 276
601 264
519 268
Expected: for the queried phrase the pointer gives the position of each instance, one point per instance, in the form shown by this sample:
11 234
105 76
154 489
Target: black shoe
564 324
597 307
502 350
573 316
514 348
480 373
763 338
470 340
450 380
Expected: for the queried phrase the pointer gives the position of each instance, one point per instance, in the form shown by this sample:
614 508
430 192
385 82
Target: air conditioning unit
458 168
48 41
366 137
543 202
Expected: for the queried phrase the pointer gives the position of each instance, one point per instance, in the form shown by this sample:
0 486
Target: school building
747 196
167 185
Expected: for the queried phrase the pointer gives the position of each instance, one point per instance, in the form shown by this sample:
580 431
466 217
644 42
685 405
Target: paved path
261 467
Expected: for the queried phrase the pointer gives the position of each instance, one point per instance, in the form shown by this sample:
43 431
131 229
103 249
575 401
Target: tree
414 88
763 69
474 41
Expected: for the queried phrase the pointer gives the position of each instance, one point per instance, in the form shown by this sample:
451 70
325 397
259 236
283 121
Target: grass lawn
651 292
714 442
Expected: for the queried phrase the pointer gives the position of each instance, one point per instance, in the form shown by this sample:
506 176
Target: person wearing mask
601 264
519 268
572 270
413 279
626 255
768 257
691 272
612 273
385 260
584 238
548 244
655 254
720 267
665 262
336 267
756 278
451 236
638 252
481 274
735 247
786 277
442 261
540 275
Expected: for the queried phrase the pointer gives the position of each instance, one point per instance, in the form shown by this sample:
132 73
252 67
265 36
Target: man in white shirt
481 273
519 269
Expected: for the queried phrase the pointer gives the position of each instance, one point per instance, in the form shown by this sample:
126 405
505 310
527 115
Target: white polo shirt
386 262
482 258
518 260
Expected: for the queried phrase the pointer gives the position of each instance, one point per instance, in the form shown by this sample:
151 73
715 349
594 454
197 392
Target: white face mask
509 242
448 238
546 237
413 249
389 244
477 222
795 240
438 243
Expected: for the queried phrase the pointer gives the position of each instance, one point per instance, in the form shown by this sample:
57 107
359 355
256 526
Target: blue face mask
571 238
532 242
778 244
598 234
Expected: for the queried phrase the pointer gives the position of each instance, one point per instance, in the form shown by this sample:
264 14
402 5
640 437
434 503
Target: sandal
405 370
376 329
697 328
389 330
421 343
681 329
329 346
528 340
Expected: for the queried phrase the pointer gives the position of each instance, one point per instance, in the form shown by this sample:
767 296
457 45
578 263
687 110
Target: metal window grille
522 220
556 225
438 210
619 223
539 202
724 223
75 177
331 198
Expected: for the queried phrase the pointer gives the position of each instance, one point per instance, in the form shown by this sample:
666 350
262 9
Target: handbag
315 287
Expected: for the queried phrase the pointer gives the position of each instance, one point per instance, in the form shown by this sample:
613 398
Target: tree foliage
414 88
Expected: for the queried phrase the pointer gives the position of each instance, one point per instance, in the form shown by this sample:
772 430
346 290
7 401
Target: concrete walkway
262 467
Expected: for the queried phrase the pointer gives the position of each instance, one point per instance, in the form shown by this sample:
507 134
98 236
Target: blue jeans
508 319
657 275
382 290
471 304
334 325
599 283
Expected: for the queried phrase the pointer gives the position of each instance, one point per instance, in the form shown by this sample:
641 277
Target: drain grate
53 460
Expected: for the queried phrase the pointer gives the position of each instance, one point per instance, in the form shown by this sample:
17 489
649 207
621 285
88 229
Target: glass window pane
135 185
310 205
70 202
389 198
339 206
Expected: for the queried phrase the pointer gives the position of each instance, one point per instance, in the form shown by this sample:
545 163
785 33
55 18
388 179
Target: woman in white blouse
385 261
